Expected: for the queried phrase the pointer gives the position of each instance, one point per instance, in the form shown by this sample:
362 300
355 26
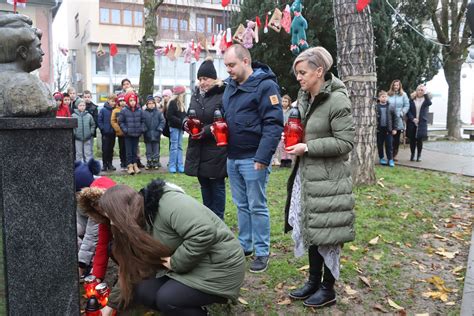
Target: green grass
380 211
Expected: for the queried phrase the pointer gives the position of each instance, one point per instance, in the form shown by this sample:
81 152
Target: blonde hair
112 96
392 92
315 56
179 101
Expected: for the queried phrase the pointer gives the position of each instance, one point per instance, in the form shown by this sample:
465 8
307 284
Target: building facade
95 23
42 12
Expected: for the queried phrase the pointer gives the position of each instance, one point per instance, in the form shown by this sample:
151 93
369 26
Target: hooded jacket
254 115
131 120
203 157
154 124
85 125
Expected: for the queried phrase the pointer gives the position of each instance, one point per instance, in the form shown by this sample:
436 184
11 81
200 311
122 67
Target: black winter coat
105 120
391 118
422 131
203 157
154 124
132 122
174 116
93 109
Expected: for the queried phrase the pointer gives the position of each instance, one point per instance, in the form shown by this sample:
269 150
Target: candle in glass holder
220 129
93 307
90 282
103 293
293 129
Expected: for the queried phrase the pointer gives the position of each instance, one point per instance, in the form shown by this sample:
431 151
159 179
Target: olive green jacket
327 201
205 253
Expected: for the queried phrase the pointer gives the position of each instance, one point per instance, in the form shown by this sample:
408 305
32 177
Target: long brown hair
391 91
135 250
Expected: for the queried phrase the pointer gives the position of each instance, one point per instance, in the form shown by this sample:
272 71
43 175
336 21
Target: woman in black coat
417 123
204 159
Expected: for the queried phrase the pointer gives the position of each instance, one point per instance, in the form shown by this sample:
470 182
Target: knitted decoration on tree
361 4
188 52
258 24
220 43
197 51
265 28
275 21
249 35
286 20
298 29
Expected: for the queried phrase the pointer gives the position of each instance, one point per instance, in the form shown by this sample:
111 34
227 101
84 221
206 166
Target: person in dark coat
417 123
107 132
386 120
132 124
154 124
204 159
175 115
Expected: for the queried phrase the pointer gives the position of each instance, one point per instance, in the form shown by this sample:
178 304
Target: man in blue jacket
252 106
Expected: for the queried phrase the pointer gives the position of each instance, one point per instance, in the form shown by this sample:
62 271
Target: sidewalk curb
467 307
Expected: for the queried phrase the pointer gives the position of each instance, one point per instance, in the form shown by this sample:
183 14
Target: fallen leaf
435 227
380 308
365 280
406 186
457 270
394 305
440 237
279 285
286 301
451 303
455 205
294 287
381 184
353 248
456 216
444 253
441 295
404 215
378 256
244 289
458 236
303 268
374 241
349 290
242 301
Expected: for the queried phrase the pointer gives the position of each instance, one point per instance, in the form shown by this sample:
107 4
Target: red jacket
63 111
101 257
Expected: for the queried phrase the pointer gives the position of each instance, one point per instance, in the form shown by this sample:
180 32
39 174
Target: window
174 24
219 27
134 64
127 17
138 18
115 16
165 23
104 15
209 24
76 21
120 64
183 25
200 24
102 64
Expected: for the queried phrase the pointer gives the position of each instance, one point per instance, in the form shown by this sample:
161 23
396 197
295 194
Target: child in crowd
118 131
154 124
164 108
132 124
386 118
93 109
71 92
63 110
175 115
158 99
83 132
107 132
281 157
67 102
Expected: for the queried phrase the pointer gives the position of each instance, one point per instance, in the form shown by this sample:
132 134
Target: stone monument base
37 208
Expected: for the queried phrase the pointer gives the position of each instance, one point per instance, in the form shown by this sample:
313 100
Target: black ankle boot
412 157
325 296
418 158
308 289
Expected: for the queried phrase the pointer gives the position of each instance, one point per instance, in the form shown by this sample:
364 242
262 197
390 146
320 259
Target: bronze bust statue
21 93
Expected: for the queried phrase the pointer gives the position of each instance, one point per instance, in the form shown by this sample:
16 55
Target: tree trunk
452 72
356 67
147 49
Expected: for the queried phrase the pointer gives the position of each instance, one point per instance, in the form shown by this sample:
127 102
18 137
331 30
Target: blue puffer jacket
154 124
254 115
104 120
401 105
132 122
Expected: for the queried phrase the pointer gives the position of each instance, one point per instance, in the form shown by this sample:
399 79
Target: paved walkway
444 156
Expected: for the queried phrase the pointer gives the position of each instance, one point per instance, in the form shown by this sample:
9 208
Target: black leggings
396 143
171 297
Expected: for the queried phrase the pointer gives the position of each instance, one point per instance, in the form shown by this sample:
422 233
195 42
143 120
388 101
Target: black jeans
122 152
384 137
396 143
213 194
416 143
108 143
171 297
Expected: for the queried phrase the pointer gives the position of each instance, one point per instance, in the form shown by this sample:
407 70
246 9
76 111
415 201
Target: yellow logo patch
274 99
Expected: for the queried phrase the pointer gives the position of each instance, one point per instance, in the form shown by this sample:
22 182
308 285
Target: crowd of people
177 255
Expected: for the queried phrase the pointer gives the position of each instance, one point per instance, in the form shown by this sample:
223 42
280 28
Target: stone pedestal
37 208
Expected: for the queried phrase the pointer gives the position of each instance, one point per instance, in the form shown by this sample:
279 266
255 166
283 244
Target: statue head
21 42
